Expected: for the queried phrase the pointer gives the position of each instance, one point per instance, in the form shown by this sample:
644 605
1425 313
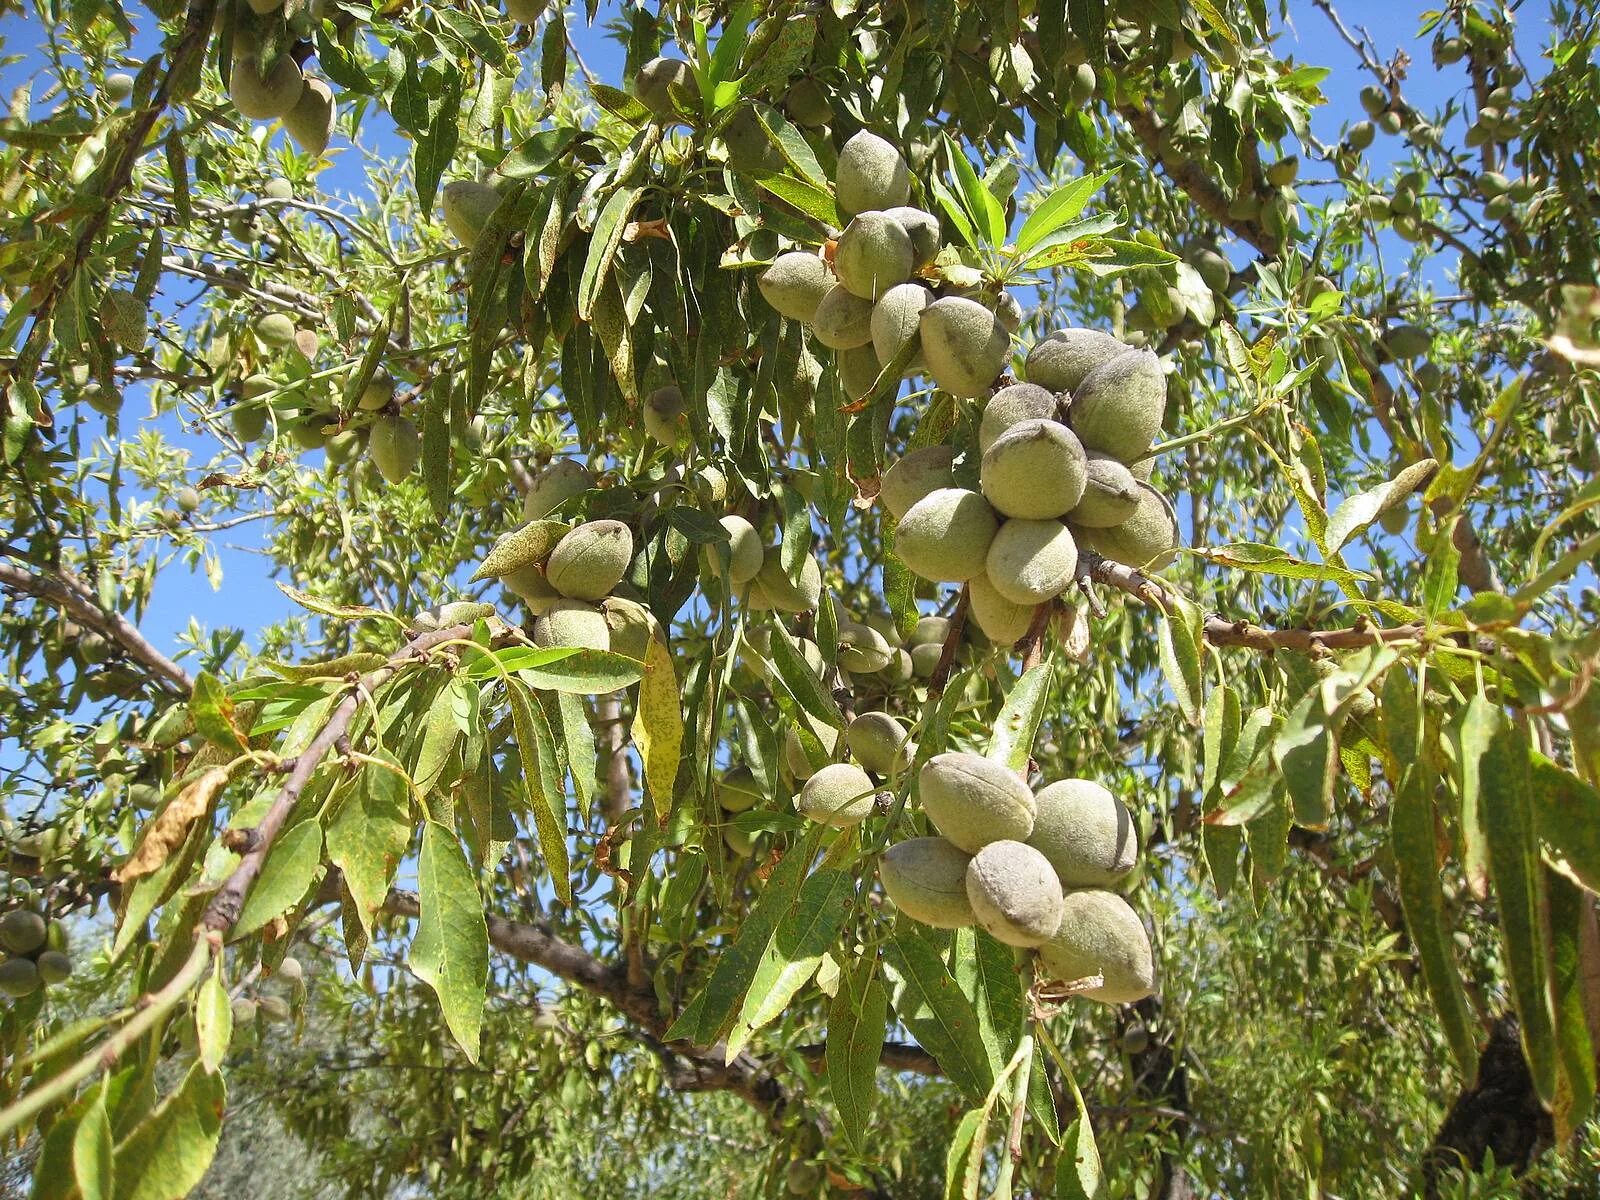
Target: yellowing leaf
167 832
658 725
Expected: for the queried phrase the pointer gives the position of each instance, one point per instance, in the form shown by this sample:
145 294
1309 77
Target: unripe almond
1118 407
873 254
1011 406
310 121
945 535
843 320
572 623
1035 470
591 560
911 478
974 800
840 795
926 878
1060 362
1014 893
1148 539
964 345
1030 562
795 284
871 175
737 790
858 370
897 319
771 587
862 649
394 445
923 230
743 550
1110 494
1002 621
880 743
1100 934
468 205
264 97
1085 832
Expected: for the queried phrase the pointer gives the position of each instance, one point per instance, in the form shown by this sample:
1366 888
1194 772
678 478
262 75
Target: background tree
412 891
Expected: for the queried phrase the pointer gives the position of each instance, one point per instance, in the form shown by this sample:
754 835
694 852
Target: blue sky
246 597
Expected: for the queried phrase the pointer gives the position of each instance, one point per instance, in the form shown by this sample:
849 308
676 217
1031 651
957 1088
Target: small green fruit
1060 362
468 205
743 550
1110 493
573 623
737 790
1003 621
880 743
1374 100
394 445
795 284
22 932
1214 270
1035 470
1011 406
749 148
273 1009
928 630
873 255
794 751
187 499
923 230
656 81
1118 407
555 485
632 626
107 401
275 330
290 971
974 800
871 175
772 588
926 877
740 841
1148 539
964 345
945 535
19 977
117 87
843 320
1014 893
1101 935
530 586
862 649
310 122
144 796
525 12
807 103
264 97
244 1011
839 795
591 560
914 476
54 967
897 319
1408 341
1030 562
858 370
1083 82
925 659
664 417
1361 135
1085 832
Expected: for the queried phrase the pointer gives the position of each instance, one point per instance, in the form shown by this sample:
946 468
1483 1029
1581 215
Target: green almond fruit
743 550
1030 562
573 623
1110 493
468 205
925 659
794 751
880 743
740 841
1118 407
926 878
964 345
394 445
840 795
525 12
54 967
862 649
632 627
945 535
858 370
899 670
795 284
559 482
118 86
843 320
748 144
912 477
1060 362
658 79
897 319
310 122
808 104
274 329
1408 341
1148 539
873 254
871 175
591 560
928 630
772 588
22 932
1086 833
1014 893
923 230
1100 934
264 97
737 790
974 800
277 188
664 416
529 585
19 977
1001 620
1035 470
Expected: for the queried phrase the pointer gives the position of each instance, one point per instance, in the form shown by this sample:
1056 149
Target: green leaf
1179 652
792 957
1219 738
1018 722
657 729
327 608
437 144
959 1156
369 832
93 1148
1514 866
983 207
541 771
450 952
1059 207
857 1022
1411 831
582 672
986 973
619 104
213 1018
1570 915
810 199
713 1011
212 712
607 238
802 681
441 731
169 1151
931 1005
1478 724
1272 560
1356 512
289 872
1567 815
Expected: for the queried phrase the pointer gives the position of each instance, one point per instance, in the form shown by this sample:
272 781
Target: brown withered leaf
167 832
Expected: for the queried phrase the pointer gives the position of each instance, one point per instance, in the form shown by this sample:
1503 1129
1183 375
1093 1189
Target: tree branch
70 594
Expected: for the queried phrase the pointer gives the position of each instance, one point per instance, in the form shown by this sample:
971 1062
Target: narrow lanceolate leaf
802 681
450 952
857 1022
1478 725
803 936
1220 737
541 770
92 1150
1514 867
1358 511
658 726
213 1018
368 834
291 868
170 1150
583 673
1411 831
526 544
713 1010
1179 651
1307 753
1059 207
603 246
1274 560
1568 908
212 711
1566 812
1018 723
327 608
986 973
931 1006
963 1149
171 827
